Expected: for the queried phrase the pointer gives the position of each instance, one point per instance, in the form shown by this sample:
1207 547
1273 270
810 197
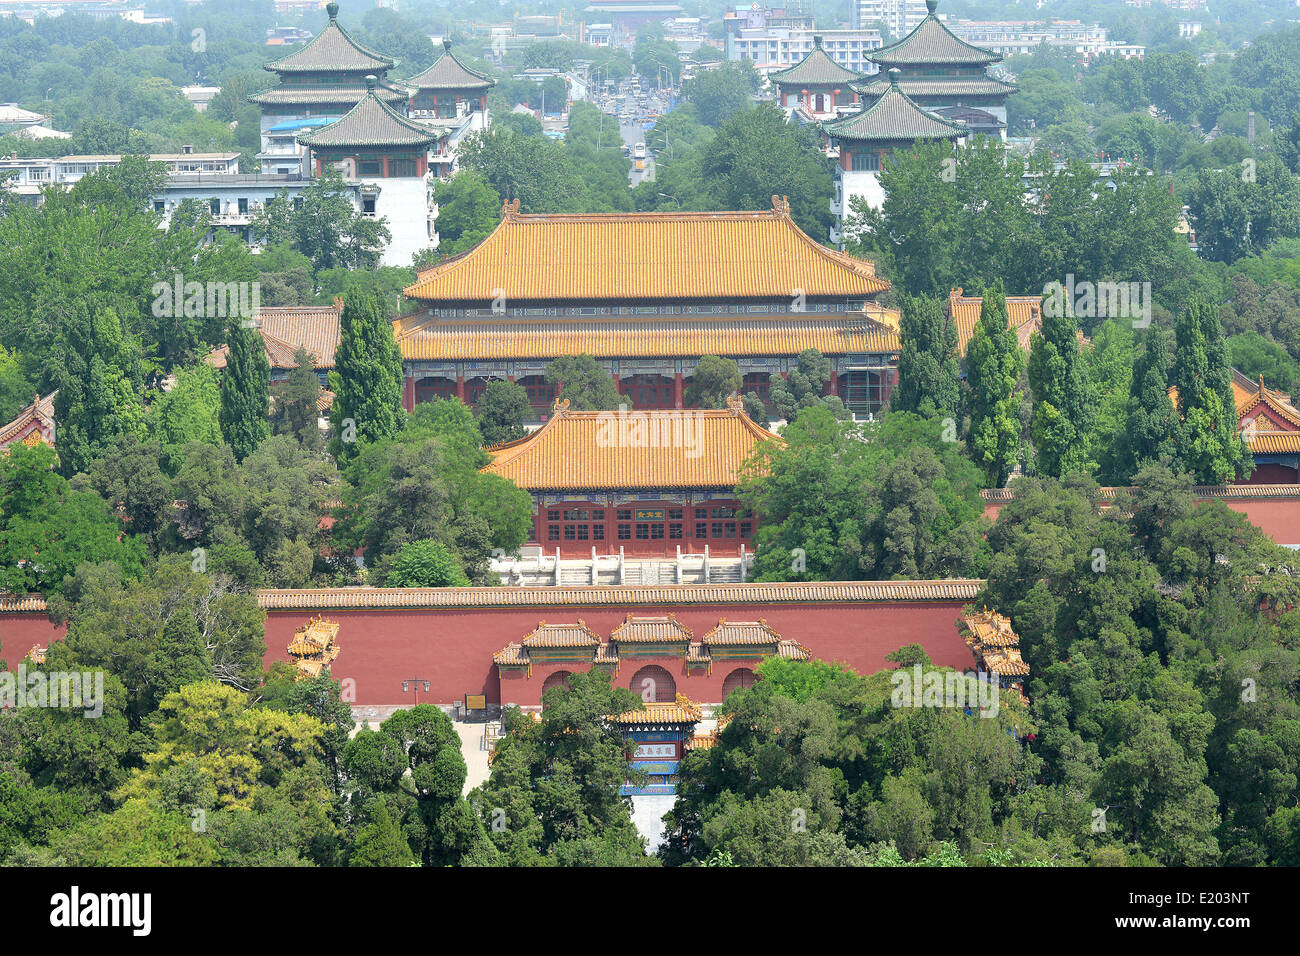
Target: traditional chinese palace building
658 736
647 294
932 86
656 656
322 79
34 425
865 139
388 155
334 107
450 98
1271 427
945 75
816 85
642 483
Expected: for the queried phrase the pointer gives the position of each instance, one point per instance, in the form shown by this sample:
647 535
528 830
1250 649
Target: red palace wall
21 631
452 648
450 638
1277 517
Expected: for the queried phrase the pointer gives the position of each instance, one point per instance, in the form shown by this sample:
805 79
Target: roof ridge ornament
781 205
446 44
510 209
561 406
931 6
333 10
735 405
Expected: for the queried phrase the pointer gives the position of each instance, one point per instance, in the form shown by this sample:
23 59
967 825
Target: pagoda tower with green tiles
319 83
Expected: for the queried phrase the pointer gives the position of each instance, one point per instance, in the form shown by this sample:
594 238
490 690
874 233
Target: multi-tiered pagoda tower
318 84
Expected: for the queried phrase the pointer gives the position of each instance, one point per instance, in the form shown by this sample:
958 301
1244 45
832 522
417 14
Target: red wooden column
833 386
677 390
460 387
408 394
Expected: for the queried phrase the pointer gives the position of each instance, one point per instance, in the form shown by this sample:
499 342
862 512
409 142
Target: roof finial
371 80
333 10
932 5
894 74
817 40
446 44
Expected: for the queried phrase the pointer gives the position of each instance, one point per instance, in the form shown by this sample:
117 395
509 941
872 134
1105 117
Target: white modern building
897 17
773 49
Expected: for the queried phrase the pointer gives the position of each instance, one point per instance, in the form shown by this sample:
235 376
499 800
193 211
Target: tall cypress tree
1209 446
994 362
1063 401
245 391
367 376
1152 424
296 401
929 375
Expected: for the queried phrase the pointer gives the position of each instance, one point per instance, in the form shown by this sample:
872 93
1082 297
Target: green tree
1152 424
47 529
468 210
425 564
190 411
1238 212
381 842
558 781
245 391
322 223
929 377
97 370
1255 356
994 362
15 389
367 377
713 382
426 485
160 633
413 762
1064 404
502 410
757 155
845 501
718 94
1209 445
296 411
803 386
584 382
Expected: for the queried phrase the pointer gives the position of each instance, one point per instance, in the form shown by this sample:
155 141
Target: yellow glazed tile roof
793 651
424 338
1275 443
39 414
680 711
686 448
316 328
679 255
1247 401
732 633
512 653
1024 314
651 630
561 635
